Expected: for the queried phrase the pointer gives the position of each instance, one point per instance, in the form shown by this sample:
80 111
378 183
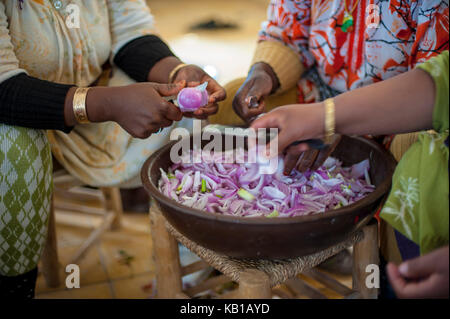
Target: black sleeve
137 57
34 103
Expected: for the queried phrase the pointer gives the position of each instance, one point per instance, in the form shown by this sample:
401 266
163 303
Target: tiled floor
103 273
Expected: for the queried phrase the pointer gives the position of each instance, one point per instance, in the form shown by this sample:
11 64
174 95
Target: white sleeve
9 65
128 20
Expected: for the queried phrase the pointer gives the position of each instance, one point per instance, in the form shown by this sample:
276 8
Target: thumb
169 89
268 120
418 267
253 96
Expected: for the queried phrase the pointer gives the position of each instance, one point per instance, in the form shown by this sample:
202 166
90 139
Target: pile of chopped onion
240 190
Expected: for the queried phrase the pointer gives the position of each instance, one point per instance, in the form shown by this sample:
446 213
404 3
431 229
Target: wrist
69 116
100 104
162 69
261 67
318 120
176 71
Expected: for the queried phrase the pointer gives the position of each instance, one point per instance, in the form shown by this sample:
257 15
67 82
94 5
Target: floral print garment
409 32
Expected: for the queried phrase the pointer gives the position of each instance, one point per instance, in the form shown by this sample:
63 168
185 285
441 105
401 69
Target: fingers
169 89
397 281
254 92
425 288
269 120
218 93
241 102
172 112
193 84
253 112
165 123
418 267
272 120
206 111
245 111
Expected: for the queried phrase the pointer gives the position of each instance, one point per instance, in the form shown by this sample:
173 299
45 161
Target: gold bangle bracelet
79 105
329 120
175 70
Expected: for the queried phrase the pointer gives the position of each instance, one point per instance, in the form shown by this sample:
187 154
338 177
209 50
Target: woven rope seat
278 270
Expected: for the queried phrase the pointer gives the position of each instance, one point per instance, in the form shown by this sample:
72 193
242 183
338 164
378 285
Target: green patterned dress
25 197
418 205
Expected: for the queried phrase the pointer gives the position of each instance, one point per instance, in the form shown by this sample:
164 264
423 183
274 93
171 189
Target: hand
195 76
138 108
249 100
295 122
422 277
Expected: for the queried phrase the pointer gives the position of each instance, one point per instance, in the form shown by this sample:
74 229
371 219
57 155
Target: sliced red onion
240 189
273 193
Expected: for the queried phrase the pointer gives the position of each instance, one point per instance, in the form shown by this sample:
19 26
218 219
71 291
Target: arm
145 57
280 58
401 104
24 100
283 42
39 104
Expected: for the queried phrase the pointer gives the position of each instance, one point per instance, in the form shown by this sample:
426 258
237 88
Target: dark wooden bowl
276 238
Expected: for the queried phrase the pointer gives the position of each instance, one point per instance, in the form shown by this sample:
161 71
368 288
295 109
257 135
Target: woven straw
278 270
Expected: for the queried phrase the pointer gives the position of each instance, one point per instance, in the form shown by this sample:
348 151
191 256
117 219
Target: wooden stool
256 278
70 195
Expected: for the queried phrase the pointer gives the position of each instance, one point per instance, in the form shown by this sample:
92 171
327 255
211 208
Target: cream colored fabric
283 60
37 40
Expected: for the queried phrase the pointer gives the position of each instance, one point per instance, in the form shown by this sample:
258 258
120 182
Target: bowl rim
369 199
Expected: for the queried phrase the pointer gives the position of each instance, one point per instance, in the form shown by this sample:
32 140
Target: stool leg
165 256
50 264
113 203
254 284
366 252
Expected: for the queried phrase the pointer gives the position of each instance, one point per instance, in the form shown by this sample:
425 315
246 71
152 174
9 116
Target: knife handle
313 143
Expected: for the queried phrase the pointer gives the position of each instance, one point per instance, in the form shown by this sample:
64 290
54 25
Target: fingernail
403 268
